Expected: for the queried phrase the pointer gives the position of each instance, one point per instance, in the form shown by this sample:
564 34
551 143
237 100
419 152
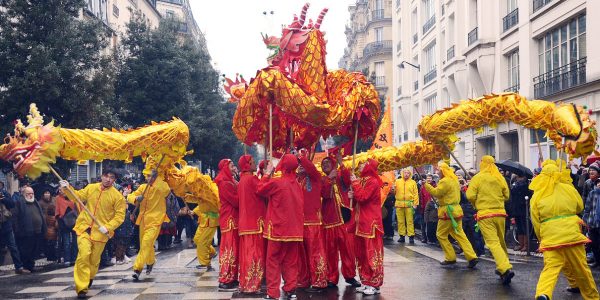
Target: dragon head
573 122
287 49
32 148
235 89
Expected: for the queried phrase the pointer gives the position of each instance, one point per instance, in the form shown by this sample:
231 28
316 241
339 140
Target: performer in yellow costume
407 199
488 191
208 220
108 207
450 216
554 208
152 213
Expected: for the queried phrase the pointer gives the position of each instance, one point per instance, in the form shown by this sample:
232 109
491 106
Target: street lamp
414 66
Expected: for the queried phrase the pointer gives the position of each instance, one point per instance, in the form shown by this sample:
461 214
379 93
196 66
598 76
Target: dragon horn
321 16
303 13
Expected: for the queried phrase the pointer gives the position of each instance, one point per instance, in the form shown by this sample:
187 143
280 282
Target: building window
541 136
430 64
414 22
170 14
379 73
537 4
562 57
512 15
115 11
429 15
379 34
430 104
513 71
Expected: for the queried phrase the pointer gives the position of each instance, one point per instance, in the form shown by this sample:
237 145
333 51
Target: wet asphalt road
411 272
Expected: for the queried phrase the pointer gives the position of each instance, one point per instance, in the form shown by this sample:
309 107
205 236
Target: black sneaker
267 297
574 290
401 239
178 241
149 269
472 263
90 284
411 240
331 285
136 275
353 282
542 297
82 295
507 276
291 295
447 262
227 287
312 289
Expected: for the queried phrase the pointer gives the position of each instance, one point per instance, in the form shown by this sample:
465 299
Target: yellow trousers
148 235
444 228
88 261
492 230
406 225
204 249
572 261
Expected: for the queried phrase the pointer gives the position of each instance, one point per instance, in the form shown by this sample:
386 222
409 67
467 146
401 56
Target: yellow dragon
34 147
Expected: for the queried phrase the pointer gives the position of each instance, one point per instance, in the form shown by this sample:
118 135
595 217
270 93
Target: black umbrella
514 167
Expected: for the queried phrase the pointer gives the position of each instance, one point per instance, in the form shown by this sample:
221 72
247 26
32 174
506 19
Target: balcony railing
515 88
472 36
537 4
510 20
399 91
377 48
450 53
560 79
428 24
416 85
379 14
429 76
398 46
398 2
379 80
415 38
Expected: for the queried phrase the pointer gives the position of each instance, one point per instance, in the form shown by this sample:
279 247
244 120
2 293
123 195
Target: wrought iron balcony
416 85
560 79
415 38
510 20
515 88
429 76
450 53
473 36
398 46
398 2
399 91
380 47
537 4
379 14
429 24
379 81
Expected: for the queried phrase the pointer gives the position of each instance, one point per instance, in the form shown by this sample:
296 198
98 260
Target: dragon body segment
33 148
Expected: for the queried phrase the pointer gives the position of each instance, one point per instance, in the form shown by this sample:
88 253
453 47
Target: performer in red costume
338 241
228 221
369 229
283 226
252 243
313 263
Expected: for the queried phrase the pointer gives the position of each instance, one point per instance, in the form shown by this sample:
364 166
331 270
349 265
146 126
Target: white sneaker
113 260
120 262
369 290
127 259
361 288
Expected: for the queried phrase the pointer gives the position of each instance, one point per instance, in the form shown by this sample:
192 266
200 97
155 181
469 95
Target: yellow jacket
108 206
208 213
488 195
447 193
554 212
407 193
153 207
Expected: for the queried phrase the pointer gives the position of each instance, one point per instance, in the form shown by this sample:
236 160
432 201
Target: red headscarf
244 163
261 166
370 169
224 171
288 164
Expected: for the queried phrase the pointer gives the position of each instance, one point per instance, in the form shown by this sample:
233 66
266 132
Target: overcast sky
233 27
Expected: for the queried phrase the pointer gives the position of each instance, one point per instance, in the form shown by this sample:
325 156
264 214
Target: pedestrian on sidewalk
488 191
169 229
424 198
407 200
518 191
123 235
468 220
51 234
66 215
29 227
7 237
368 228
450 216
554 208
591 217
431 221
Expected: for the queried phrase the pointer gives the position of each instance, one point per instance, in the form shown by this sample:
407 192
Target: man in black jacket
29 227
7 237
593 172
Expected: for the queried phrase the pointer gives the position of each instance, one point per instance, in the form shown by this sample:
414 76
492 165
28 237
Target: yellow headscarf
566 172
447 171
543 184
488 165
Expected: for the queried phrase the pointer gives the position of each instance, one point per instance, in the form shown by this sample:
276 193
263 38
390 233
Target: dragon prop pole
354 150
537 140
69 188
457 161
150 183
270 131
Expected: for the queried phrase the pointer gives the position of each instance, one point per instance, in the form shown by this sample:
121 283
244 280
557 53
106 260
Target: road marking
390 256
431 253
